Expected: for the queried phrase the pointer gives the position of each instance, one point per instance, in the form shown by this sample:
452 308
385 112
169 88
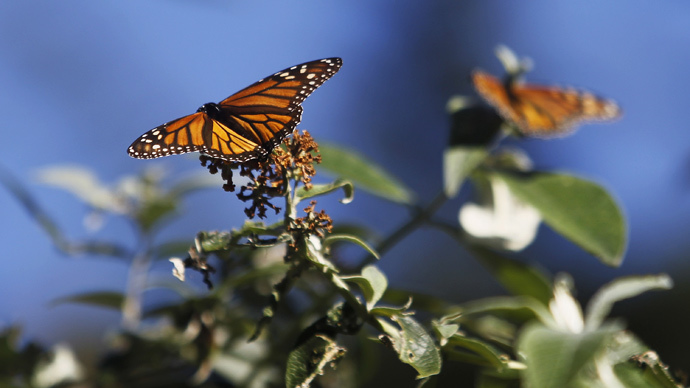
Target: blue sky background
80 80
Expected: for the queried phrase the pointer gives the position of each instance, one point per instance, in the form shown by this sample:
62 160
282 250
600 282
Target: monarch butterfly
542 111
244 126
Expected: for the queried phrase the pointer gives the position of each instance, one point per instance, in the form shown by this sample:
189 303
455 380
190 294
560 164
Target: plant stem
421 216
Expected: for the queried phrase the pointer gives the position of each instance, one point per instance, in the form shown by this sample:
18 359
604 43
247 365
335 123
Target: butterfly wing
269 110
540 110
195 132
244 126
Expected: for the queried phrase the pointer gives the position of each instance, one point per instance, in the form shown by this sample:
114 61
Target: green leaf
364 173
645 371
522 307
458 163
316 190
372 282
580 210
107 299
82 183
152 211
310 359
195 182
488 378
390 311
489 355
172 248
515 276
554 357
444 330
415 346
619 289
333 238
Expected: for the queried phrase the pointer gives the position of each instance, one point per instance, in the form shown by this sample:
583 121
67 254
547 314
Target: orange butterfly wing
244 126
540 110
195 132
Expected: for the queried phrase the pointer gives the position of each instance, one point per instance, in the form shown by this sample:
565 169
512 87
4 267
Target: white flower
508 223
178 268
62 368
566 311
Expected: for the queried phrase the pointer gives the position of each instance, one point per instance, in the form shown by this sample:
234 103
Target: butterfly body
247 125
542 111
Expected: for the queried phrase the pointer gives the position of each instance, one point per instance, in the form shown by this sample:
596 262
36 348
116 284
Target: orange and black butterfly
244 126
542 111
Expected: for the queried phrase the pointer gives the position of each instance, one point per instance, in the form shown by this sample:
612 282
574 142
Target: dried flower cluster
268 177
318 223
301 153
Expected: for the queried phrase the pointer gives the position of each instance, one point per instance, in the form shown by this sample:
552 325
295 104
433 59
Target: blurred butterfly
542 111
244 126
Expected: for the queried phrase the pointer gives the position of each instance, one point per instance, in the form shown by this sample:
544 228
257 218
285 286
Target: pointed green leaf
372 282
444 330
520 307
580 210
489 355
517 277
619 289
322 189
645 371
364 173
415 346
333 238
310 360
458 163
82 183
195 182
554 357
107 299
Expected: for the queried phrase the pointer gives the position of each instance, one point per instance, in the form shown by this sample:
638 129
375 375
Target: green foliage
364 173
580 210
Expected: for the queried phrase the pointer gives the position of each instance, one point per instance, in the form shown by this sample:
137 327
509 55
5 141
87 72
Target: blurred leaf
172 248
107 299
82 183
458 163
415 346
390 311
51 228
488 379
310 359
619 289
335 238
521 308
425 302
195 182
444 330
645 371
364 173
155 209
316 256
251 276
362 232
580 210
372 282
18 358
488 355
316 190
554 357
211 241
490 327
517 277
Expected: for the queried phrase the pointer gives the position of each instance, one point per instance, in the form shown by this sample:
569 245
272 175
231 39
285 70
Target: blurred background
80 80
